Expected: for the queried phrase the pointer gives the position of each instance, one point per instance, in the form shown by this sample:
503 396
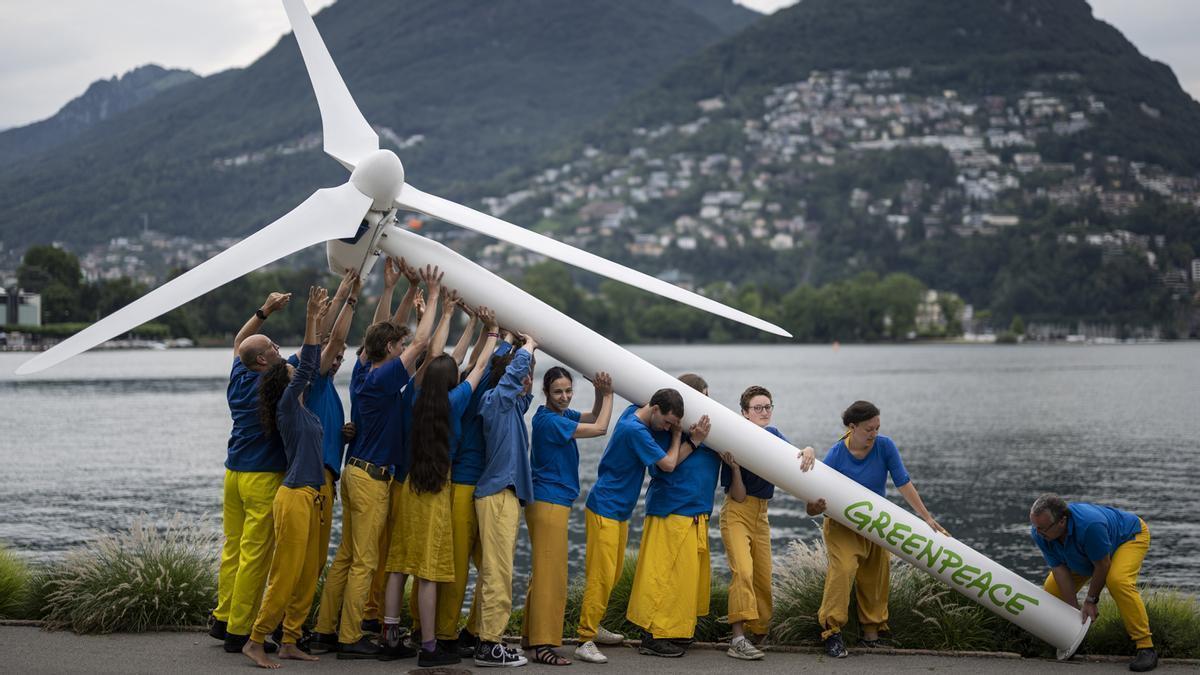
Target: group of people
436 464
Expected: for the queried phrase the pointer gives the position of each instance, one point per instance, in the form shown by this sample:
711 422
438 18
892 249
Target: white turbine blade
330 213
348 137
443 209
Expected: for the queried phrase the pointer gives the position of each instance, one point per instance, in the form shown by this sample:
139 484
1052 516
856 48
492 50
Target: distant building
1196 271
20 308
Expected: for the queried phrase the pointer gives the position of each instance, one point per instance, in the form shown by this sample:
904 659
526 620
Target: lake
983 429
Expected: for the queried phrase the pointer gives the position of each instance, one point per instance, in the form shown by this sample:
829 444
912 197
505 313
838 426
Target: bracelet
495 335
262 316
1094 601
351 302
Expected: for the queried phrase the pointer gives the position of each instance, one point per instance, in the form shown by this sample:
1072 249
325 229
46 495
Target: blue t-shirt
300 427
250 449
756 486
325 403
506 455
1092 533
631 449
356 377
555 456
381 427
688 490
467 463
871 471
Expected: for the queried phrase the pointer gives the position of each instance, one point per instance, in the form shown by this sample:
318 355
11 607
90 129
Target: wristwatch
1094 601
262 316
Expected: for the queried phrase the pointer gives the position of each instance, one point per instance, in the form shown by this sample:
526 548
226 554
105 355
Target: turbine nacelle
380 176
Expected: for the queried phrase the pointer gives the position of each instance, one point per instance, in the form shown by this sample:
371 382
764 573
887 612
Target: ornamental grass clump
14 585
140 580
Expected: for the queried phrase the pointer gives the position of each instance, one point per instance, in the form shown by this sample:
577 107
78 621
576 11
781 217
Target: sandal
544 655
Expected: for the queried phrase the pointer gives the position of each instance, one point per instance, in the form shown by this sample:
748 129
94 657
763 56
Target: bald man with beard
254 469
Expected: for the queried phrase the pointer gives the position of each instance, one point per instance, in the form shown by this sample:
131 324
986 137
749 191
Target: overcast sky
51 50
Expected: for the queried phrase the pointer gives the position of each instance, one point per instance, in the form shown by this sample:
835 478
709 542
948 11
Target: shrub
136 581
14 582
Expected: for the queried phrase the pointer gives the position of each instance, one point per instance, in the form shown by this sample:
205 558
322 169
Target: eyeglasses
768 407
1049 527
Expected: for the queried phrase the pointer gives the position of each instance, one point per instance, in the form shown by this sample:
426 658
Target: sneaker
401 650
1146 659
683 643
372 626
216 628
363 649
834 646
323 643
437 657
494 654
607 637
590 653
467 641
743 649
652 646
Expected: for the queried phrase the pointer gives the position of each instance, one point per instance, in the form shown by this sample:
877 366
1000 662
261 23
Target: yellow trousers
294 566
857 561
1121 583
335 577
672 584
465 528
605 556
499 517
366 508
746 533
249 540
546 599
326 530
374 607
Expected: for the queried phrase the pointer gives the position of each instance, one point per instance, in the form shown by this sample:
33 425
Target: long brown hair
271 385
431 427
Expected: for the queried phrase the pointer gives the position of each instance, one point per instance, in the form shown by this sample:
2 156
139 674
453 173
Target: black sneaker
494 654
437 657
467 641
834 647
363 649
683 643
652 646
401 650
216 628
371 626
1146 659
450 646
323 643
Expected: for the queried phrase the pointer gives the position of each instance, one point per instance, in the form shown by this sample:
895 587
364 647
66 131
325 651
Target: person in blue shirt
254 469
504 486
672 581
631 449
868 458
1081 541
296 509
555 467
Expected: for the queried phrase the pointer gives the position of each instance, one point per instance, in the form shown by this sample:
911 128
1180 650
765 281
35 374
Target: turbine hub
380 175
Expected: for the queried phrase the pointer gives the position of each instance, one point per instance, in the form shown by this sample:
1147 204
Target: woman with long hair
297 510
422 542
555 467
868 458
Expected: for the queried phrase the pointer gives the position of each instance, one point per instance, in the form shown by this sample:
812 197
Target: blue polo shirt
379 396
555 456
756 486
631 449
1092 532
325 403
467 460
871 471
506 454
689 489
356 377
250 449
300 427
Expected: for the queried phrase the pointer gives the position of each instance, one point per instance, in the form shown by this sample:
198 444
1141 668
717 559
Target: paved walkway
30 650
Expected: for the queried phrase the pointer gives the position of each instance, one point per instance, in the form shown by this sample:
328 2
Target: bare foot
255 652
291 651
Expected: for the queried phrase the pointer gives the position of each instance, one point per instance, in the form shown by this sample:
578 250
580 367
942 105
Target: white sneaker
607 637
589 652
742 649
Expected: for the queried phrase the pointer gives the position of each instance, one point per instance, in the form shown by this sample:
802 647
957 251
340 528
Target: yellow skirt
422 538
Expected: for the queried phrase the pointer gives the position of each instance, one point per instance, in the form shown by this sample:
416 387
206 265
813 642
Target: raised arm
595 423
437 344
274 303
460 348
391 277
317 308
512 383
345 316
433 280
400 318
489 329
339 297
676 453
737 487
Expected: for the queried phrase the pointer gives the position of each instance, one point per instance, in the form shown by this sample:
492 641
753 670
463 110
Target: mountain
103 100
464 90
726 13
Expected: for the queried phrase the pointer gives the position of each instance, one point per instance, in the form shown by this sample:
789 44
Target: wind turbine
357 219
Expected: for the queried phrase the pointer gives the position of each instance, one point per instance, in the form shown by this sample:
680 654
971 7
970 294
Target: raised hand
431 276
815 508
318 302
806 456
700 429
488 316
602 382
419 305
529 343
276 302
391 272
410 272
346 284
451 299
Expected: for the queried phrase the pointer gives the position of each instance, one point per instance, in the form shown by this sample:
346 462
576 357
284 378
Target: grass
14 584
135 581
